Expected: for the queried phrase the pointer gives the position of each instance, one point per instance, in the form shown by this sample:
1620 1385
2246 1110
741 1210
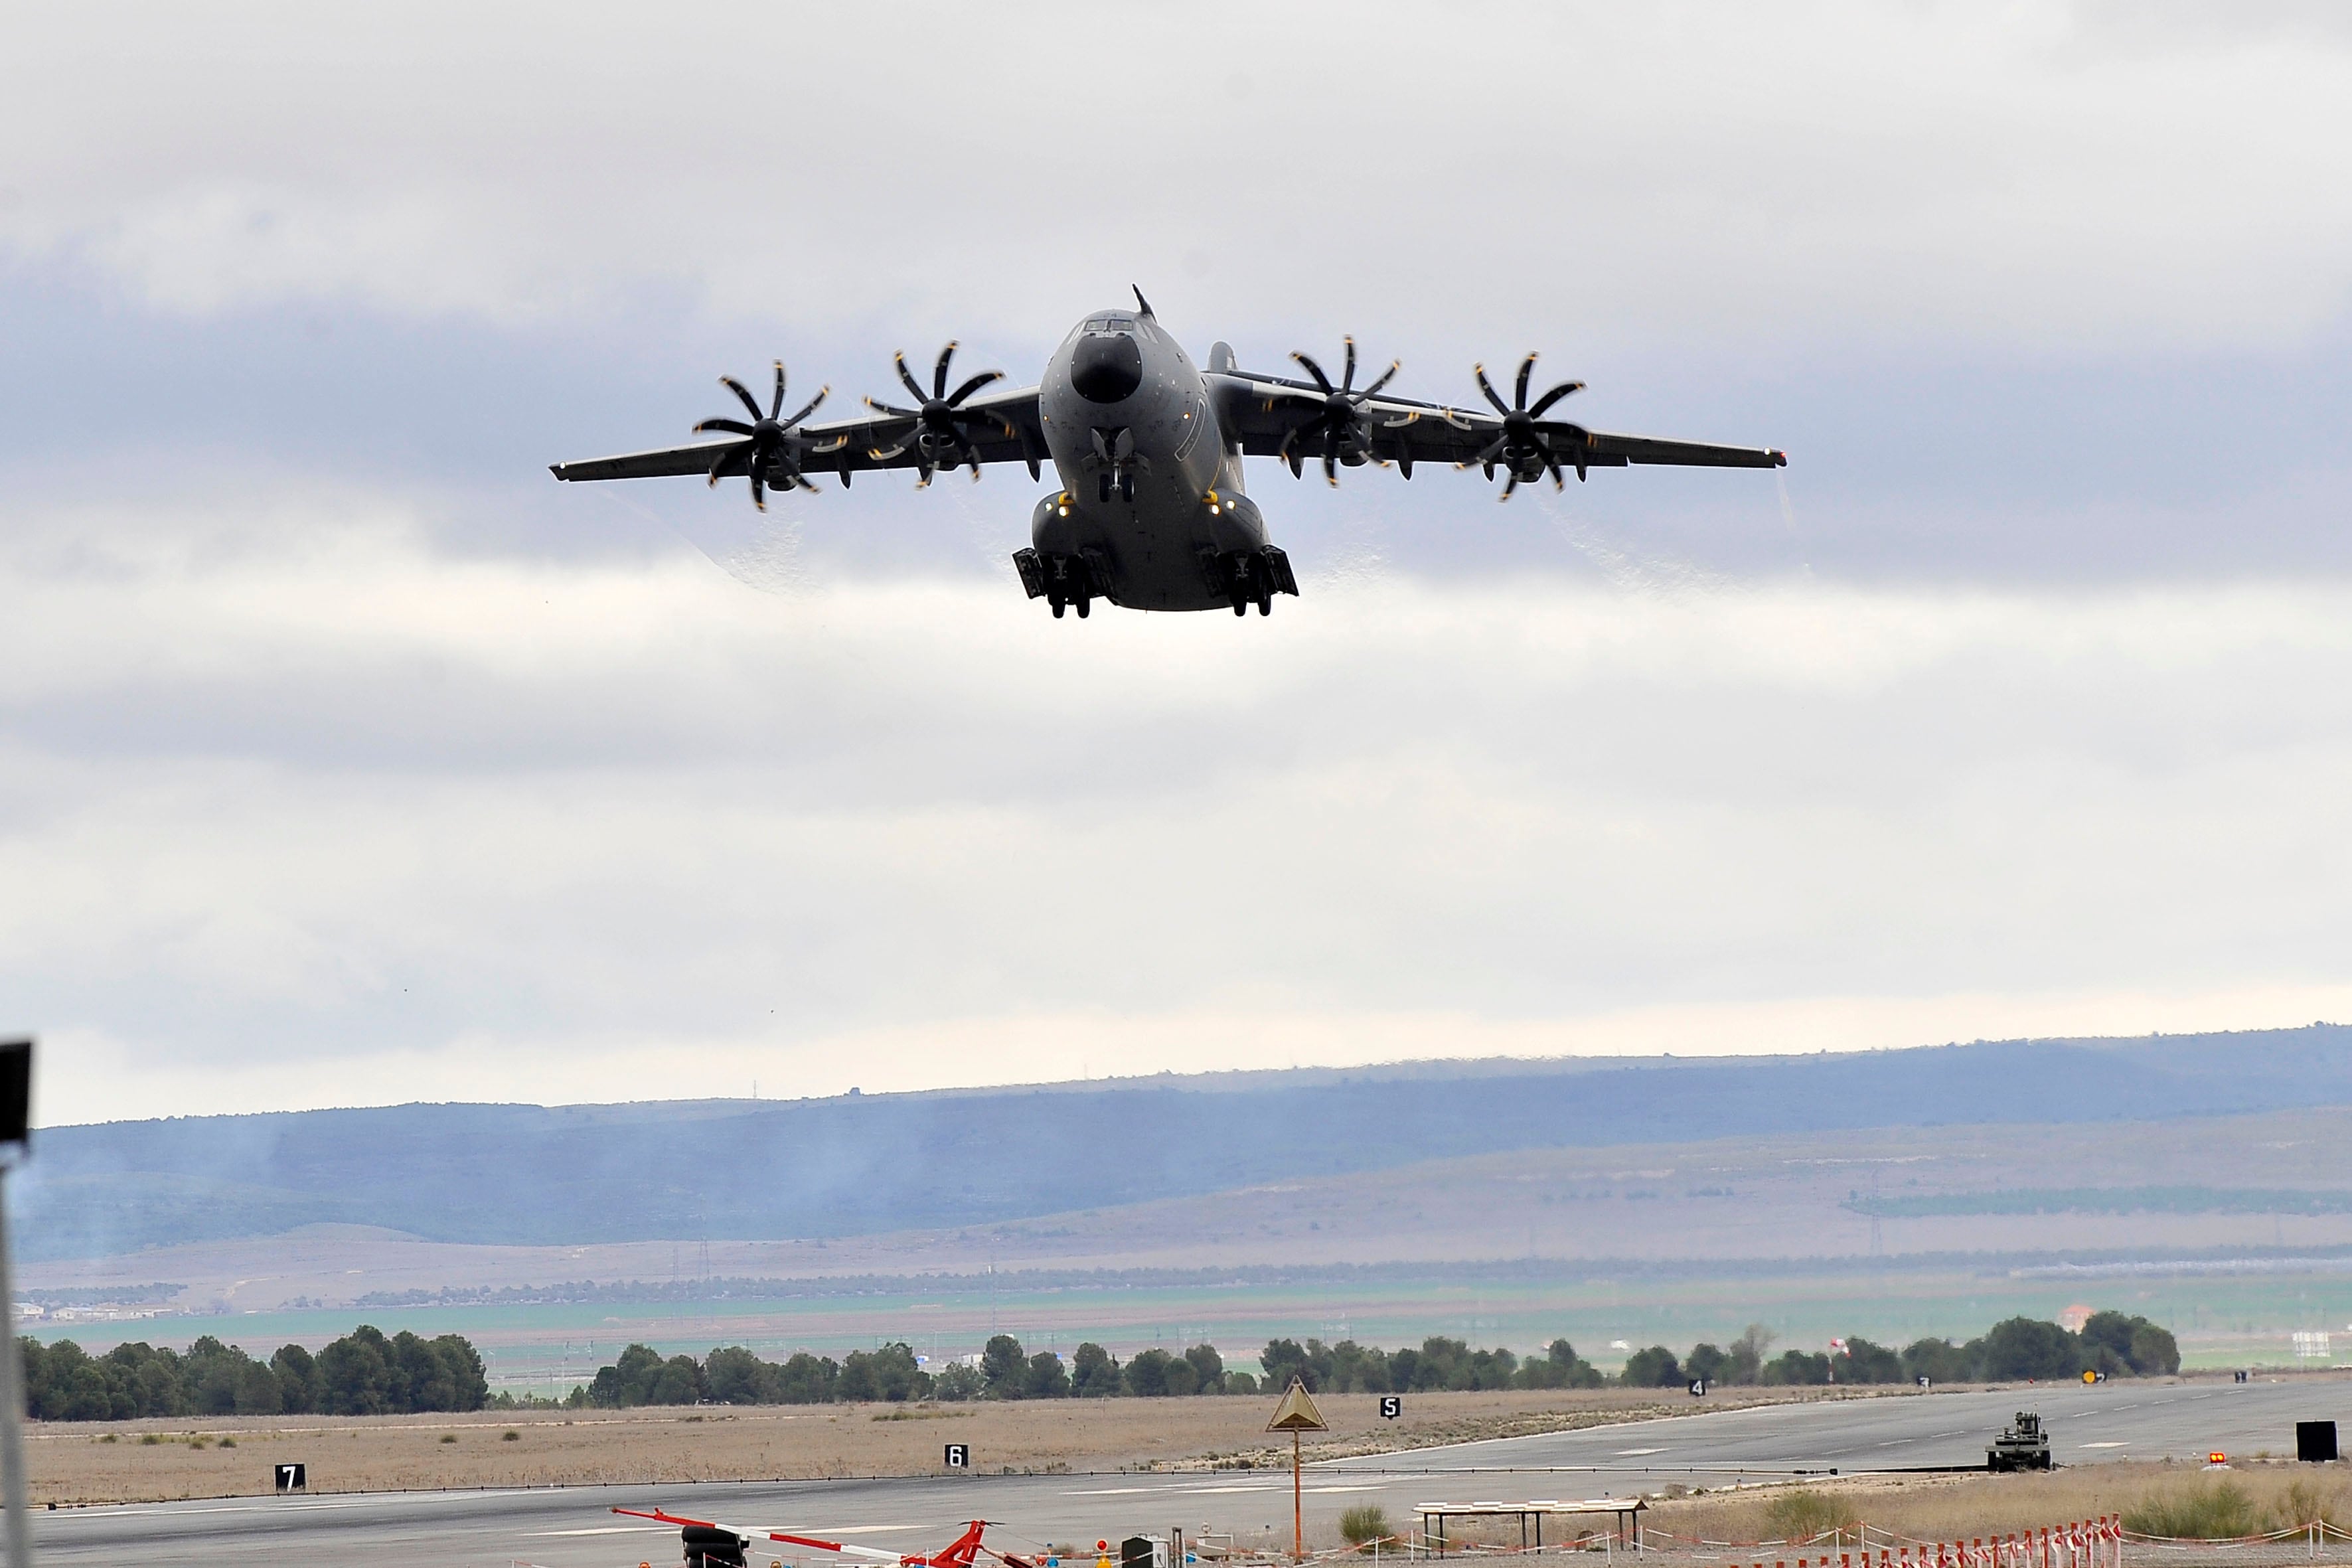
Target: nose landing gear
1115 449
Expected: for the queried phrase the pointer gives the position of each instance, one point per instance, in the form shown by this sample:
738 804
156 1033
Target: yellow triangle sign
1296 1413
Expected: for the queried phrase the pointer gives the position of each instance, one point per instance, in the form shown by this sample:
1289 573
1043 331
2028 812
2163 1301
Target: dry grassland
84 1462
1965 1507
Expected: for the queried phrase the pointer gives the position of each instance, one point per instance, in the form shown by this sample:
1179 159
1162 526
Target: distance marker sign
1391 1407
958 1455
292 1478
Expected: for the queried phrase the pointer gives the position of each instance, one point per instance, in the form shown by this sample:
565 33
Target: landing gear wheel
1127 487
1102 487
1082 607
1240 605
1265 604
1058 607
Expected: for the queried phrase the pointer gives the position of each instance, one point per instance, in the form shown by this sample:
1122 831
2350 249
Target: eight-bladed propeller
1523 449
773 443
940 438
1339 426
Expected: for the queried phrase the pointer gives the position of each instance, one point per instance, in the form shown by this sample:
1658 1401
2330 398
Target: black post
16 1143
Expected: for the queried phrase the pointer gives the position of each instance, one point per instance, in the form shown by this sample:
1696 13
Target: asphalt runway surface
570 1527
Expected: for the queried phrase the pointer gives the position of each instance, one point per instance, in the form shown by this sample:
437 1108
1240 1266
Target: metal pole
12 1407
1298 1508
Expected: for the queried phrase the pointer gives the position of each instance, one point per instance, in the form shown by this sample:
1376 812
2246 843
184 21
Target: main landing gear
1063 582
1253 577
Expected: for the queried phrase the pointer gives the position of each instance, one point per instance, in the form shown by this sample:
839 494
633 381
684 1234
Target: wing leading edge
1264 412
1007 431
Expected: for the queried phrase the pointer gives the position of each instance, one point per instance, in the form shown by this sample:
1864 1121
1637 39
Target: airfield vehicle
2023 1446
1150 511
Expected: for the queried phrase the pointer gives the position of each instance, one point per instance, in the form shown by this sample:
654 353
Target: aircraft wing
998 428
1274 416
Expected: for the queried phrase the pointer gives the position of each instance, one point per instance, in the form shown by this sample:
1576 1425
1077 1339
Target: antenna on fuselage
1144 303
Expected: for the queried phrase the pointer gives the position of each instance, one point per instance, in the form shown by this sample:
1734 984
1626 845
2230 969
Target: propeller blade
1488 388
1331 458
759 491
940 370
1526 369
1316 371
1297 468
1554 396
974 385
802 479
1347 378
735 386
1386 376
732 427
778 402
808 408
1559 479
1492 450
892 410
718 466
906 376
1509 485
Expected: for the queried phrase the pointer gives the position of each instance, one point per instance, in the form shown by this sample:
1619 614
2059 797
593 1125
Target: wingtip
1780 459
555 469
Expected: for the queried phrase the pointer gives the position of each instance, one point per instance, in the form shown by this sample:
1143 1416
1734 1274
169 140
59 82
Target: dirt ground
88 1462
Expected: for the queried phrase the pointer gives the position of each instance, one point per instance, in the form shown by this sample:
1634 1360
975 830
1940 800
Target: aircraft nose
1107 367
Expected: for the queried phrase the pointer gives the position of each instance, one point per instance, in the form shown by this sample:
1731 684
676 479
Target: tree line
2013 1350
362 1373
2018 1348
1007 1370
1004 1370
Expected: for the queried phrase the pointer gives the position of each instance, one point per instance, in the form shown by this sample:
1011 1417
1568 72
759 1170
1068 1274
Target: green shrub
509 1436
1802 1515
2195 1511
1363 1524
2306 1502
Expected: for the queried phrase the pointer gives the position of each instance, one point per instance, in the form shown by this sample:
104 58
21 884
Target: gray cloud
343 754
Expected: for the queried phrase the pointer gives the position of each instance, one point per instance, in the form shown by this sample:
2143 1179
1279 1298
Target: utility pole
15 1144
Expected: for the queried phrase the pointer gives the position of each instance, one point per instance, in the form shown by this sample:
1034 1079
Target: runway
570 1527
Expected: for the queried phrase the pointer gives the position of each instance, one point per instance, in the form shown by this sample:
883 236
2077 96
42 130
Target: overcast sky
346 757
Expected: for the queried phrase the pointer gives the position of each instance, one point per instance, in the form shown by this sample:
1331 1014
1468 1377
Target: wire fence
2100 1542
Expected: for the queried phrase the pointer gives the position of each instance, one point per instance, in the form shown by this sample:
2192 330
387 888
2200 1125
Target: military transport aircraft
1151 513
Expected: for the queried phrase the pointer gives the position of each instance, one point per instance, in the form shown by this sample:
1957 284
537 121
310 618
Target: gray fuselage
1151 498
